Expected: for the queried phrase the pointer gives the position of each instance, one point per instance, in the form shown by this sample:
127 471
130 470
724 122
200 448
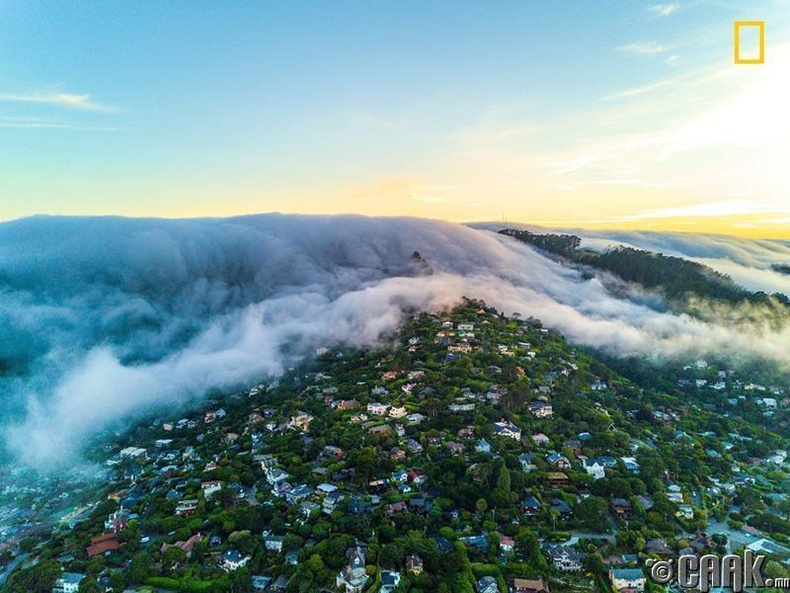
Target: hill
470 445
679 279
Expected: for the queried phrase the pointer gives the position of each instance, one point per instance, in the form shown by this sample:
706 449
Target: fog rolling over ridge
103 318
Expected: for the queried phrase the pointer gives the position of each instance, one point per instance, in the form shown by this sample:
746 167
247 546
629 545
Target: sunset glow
618 115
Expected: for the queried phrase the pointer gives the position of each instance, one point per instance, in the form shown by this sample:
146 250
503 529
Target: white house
504 428
594 468
273 543
210 488
69 582
378 409
233 560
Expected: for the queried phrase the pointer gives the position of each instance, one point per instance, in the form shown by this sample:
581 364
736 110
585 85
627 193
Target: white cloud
663 9
643 47
59 99
52 125
115 317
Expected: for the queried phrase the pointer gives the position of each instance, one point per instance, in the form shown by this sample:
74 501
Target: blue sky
458 110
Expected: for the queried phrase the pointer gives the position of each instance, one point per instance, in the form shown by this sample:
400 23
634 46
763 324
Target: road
10 568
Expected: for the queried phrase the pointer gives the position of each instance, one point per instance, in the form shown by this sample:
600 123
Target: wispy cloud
643 47
712 210
69 100
663 9
52 125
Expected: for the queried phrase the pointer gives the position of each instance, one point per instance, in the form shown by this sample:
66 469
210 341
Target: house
622 507
627 580
566 558
685 511
487 585
397 412
505 428
594 468
308 508
209 489
538 585
117 521
378 409
414 419
136 453
186 507
540 439
401 476
298 494
455 448
68 582
475 541
646 501
414 564
557 460
557 479
105 544
383 430
331 502
280 585
187 545
659 547
292 558
347 404
353 577
531 506
483 446
233 560
301 421
525 459
541 409
414 446
562 507
631 464
276 476
260 582
326 488
396 508
416 477
333 453
461 407
506 544
390 580
273 543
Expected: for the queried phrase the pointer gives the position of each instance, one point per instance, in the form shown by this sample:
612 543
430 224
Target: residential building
233 560
505 428
353 577
68 582
627 580
538 585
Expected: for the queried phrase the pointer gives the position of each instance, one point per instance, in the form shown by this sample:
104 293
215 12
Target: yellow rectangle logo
750 60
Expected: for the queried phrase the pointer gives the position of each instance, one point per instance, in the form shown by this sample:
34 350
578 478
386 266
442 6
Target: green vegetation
467 441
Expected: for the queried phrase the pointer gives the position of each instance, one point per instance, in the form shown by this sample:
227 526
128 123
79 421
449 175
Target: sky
606 114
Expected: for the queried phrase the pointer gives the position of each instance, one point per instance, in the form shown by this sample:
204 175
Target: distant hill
678 278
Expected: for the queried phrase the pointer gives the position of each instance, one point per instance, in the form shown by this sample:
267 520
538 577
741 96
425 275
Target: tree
38 579
593 563
174 555
89 585
503 480
117 581
139 568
